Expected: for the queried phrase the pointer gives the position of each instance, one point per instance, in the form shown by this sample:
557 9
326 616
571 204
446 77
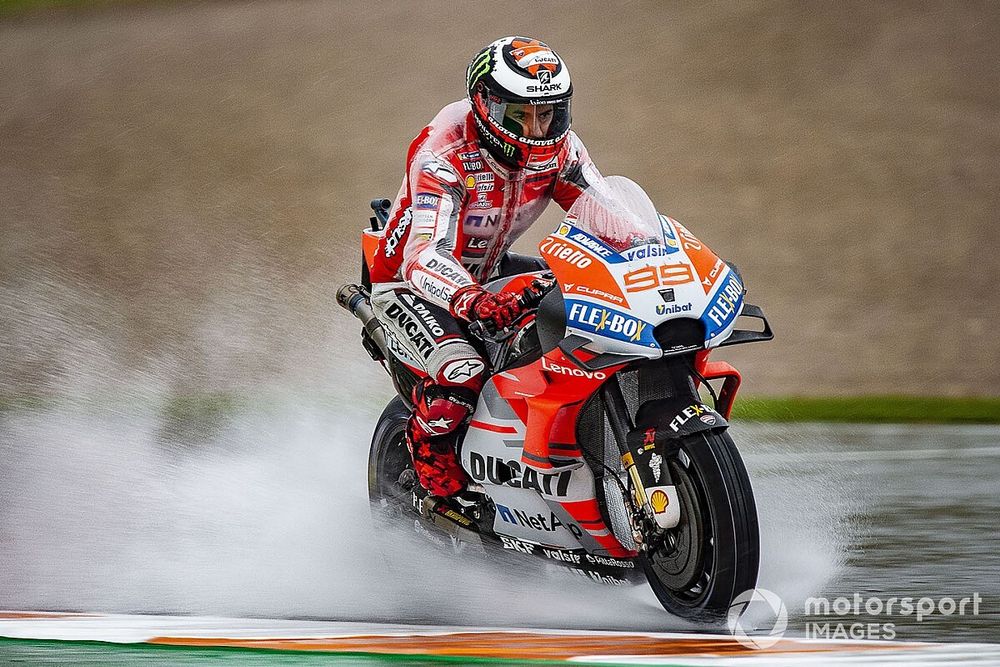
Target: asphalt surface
185 414
267 518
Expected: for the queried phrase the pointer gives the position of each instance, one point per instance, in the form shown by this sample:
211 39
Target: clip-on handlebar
528 299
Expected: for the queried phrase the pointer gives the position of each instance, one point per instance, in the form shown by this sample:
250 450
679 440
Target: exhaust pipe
354 299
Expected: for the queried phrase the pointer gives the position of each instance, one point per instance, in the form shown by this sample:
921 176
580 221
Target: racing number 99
651 277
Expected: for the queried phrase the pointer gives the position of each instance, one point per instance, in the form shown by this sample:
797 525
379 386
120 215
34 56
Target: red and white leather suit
456 215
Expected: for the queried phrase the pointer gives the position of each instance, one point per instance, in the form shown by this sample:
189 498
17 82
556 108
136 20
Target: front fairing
625 271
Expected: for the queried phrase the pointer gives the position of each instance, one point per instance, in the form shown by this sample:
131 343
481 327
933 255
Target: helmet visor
543 122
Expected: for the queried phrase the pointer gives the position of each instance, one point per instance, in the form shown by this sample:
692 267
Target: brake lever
486 330
531 296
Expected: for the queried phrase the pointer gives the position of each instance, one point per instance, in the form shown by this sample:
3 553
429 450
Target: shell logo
659 501
470 182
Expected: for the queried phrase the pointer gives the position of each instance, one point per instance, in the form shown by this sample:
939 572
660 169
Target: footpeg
407 479
443 514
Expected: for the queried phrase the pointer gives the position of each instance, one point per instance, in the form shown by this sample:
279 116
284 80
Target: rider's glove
472 303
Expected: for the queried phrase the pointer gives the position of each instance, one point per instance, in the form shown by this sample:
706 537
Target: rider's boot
434 460
441 413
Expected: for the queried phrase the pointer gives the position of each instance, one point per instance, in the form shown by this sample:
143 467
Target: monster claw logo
479 68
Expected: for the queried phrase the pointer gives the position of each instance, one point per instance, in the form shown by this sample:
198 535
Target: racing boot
431 434
434 461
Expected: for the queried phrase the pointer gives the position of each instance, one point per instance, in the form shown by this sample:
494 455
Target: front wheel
714 552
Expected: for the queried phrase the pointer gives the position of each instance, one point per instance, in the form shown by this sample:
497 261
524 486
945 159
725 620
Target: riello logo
573 372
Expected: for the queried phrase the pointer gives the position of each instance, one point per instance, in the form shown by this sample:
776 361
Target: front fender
675 418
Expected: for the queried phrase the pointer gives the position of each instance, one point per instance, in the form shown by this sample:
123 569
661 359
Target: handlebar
529 298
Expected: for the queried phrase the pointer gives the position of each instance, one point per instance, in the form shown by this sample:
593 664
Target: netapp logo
546 522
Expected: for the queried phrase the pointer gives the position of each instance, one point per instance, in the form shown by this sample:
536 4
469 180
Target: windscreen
617 211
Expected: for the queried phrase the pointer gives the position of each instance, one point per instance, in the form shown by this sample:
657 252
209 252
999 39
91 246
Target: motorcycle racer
476 178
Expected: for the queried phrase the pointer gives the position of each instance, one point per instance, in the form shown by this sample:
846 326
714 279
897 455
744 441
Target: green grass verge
870 409
211 407
77 652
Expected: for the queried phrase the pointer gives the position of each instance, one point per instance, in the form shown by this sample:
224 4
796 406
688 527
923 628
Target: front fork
655 508
655 504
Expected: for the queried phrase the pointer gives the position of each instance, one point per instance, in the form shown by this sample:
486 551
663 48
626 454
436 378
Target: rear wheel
388 459
714 552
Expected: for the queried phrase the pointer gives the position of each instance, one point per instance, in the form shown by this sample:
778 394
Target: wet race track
112 514
185 413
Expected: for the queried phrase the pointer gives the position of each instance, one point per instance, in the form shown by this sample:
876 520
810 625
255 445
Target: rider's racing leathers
456 215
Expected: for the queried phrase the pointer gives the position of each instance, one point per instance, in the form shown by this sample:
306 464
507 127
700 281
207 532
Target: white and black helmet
516 77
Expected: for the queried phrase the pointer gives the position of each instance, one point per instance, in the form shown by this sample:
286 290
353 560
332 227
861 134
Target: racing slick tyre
713 554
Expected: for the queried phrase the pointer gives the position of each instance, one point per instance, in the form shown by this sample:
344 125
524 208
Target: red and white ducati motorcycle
592 446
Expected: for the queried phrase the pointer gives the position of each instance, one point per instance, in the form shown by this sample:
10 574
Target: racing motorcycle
592 446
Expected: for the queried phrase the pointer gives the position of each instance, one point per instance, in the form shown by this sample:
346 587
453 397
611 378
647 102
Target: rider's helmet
520 93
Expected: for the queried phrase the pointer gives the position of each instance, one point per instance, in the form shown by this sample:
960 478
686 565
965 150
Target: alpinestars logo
461 305
441 171
463 369
397 234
